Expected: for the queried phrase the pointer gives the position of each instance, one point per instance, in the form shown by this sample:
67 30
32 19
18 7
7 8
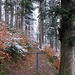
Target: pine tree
66 39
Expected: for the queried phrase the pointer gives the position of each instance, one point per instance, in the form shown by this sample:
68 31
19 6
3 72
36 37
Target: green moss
71 41
52 59
2 72
68 73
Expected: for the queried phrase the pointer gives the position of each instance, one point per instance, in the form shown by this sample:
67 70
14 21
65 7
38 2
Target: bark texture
0 9
66 48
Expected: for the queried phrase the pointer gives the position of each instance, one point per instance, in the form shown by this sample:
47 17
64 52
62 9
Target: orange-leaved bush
57 63
5 37
51 54
50 51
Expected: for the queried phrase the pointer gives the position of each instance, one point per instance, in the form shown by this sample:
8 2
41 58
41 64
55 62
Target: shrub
50 51
52 59
29 46
57 63
14 52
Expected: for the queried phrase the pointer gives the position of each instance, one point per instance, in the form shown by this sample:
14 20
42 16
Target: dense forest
37 37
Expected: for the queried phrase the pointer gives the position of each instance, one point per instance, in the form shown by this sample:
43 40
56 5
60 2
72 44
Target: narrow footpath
44 66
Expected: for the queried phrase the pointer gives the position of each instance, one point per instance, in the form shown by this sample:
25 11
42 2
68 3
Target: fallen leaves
51 53
7 38
4 37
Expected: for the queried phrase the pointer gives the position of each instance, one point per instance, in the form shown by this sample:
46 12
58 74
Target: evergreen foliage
71 41
52 59
29 46
67 13
14 52
27 4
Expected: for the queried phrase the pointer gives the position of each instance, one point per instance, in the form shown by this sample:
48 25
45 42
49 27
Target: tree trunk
51 41
6 16
41 33
16 18
6 13
22 16
56 39
21 26
66 48
0 9
11 21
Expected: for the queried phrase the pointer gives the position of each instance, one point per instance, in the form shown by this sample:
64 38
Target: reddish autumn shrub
57 63
50 51
5 37
52 58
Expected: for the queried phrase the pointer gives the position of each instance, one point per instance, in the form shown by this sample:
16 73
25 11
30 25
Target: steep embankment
26 64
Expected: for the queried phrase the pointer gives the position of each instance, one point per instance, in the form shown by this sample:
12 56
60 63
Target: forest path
44 67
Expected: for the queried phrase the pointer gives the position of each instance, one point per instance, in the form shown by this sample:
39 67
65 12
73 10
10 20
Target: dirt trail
44 67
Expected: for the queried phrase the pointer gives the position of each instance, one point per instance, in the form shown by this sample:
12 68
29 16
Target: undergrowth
52 59
2 72
14 53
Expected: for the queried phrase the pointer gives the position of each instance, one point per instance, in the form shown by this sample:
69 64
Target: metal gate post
37 62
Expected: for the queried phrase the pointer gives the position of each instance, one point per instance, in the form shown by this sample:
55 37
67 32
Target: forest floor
26 65
44 66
